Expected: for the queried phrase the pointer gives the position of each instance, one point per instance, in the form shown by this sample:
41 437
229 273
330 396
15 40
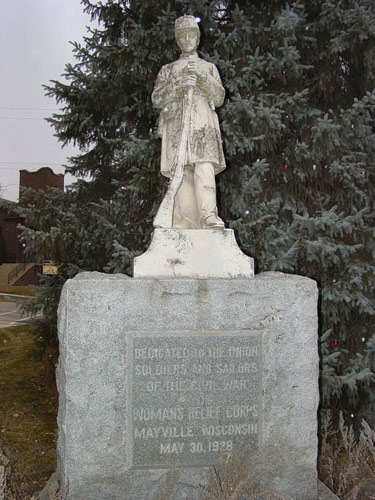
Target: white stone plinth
193 253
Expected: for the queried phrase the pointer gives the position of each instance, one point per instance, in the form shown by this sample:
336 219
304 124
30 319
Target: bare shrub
347 464
166 488
3 475
236 476
13 484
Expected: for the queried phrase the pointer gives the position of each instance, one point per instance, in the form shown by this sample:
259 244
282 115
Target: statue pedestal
161 374
193 253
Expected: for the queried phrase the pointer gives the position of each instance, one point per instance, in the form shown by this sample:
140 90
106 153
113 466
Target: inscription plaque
194 396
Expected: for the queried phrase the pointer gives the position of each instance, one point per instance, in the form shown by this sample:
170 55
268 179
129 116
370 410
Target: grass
28 410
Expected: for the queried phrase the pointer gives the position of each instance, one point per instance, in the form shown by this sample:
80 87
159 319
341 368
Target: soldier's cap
185 22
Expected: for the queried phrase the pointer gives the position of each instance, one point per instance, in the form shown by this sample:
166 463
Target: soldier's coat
204 140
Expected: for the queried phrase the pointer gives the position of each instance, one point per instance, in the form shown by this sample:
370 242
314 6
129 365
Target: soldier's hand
191 80
192 67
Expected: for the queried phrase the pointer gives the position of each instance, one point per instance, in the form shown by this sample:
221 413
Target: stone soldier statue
187 91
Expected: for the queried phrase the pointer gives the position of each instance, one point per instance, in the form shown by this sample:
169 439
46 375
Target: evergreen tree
298 131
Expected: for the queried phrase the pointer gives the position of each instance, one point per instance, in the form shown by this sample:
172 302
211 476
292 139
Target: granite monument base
158 374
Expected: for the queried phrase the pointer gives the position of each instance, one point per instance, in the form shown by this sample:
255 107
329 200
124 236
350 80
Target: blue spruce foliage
298 131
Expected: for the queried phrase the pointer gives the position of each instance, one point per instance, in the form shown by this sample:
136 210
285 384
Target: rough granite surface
100 316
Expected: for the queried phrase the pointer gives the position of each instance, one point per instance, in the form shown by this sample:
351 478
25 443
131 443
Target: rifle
164 216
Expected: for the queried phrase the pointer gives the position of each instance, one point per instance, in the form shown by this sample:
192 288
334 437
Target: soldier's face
187 40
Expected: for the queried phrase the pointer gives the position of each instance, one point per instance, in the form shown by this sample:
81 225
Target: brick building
11 249
43 179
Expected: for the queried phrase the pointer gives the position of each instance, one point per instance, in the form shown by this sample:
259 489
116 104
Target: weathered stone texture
99 318
201 253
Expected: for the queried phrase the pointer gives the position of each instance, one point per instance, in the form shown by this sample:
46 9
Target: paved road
9 315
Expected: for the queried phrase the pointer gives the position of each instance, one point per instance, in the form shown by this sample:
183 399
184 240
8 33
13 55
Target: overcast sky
34 48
